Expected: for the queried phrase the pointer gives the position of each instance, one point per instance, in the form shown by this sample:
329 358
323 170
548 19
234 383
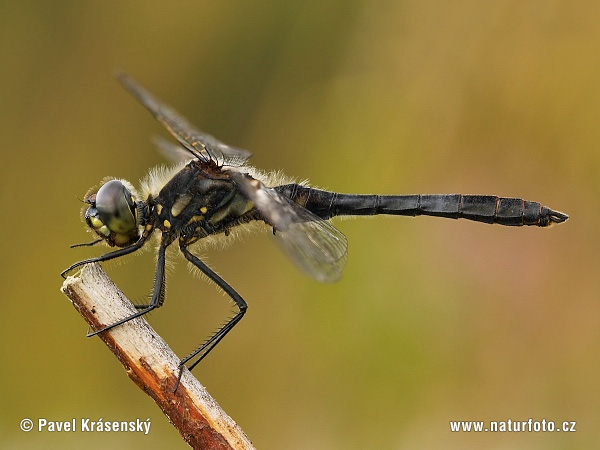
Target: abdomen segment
480 208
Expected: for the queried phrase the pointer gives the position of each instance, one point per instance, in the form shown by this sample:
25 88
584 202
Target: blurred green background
434 320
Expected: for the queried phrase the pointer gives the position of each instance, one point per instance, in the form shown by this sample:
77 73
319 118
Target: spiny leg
112 255
87 244
158 293
211 342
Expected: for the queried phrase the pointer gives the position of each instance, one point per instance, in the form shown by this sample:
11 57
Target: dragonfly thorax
198 202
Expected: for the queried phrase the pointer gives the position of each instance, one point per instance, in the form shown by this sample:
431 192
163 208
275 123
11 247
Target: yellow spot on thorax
180 204
195 219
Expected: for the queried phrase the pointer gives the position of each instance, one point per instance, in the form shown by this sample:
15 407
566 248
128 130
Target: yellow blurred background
434 320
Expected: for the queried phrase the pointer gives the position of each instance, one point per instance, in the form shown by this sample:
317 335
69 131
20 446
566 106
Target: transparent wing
314 244
202 145
171 151
233 156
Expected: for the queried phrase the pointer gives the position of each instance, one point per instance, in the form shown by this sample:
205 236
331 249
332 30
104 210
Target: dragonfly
211 191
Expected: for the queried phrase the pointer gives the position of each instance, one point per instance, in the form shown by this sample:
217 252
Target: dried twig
151 364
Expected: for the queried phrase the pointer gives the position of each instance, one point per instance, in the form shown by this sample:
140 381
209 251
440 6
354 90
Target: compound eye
116 207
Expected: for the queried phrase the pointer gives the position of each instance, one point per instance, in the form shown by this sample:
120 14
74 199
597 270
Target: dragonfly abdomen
480 208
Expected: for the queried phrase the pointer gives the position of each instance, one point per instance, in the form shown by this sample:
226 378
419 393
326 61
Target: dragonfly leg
158 294
111 255
200 353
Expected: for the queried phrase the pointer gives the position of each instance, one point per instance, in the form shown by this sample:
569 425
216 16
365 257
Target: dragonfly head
113 213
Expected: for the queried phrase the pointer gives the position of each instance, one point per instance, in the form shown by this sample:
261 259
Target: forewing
314 244
171 151
234 156
202 145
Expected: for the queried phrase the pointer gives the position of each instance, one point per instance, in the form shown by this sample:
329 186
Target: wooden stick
151 364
